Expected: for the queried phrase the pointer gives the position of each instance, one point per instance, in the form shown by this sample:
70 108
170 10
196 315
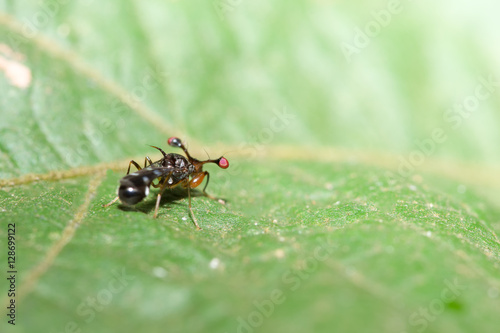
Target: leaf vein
33 276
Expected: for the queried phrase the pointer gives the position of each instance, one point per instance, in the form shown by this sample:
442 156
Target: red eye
223 163
174 142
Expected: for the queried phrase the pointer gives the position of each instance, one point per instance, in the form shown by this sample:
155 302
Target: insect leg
158 198
111 202
135 164
219 200
146 161
191 210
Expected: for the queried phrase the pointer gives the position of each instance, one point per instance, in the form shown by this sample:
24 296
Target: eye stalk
223 163
173 141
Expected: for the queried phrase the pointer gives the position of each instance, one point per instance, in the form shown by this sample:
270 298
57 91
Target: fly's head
222 162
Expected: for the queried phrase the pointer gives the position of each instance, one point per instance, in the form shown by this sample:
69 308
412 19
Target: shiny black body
171 169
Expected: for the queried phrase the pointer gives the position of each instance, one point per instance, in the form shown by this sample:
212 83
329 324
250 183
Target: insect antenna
164 154
208 155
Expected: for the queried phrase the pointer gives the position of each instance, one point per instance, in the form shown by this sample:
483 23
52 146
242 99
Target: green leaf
362 188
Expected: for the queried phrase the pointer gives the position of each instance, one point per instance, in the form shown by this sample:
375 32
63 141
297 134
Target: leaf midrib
463 172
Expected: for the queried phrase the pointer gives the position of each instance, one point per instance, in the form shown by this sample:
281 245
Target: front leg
198 179
163 187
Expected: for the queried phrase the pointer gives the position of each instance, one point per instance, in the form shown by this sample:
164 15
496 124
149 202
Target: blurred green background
326 103
370 76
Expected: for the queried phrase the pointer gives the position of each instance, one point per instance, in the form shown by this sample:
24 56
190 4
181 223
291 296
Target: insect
171 170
